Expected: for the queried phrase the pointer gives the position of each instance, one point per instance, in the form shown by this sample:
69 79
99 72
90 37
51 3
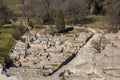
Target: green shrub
4 52
30 23
16 34
14 19
22 29
1 22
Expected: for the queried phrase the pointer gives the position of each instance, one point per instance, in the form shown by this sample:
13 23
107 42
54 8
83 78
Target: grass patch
99 25
92 18
5 36
81 30
5 42
96 21
96 18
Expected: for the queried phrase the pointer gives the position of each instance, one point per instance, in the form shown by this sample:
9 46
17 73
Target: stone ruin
45 53
41 56
92 65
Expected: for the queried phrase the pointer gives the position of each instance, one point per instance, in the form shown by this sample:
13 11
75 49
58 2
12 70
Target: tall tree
59 21
95 6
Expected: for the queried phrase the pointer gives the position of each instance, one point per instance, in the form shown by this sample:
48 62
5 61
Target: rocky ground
82 56
93 65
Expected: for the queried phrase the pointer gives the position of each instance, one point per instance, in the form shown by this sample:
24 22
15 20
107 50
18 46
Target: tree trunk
92 8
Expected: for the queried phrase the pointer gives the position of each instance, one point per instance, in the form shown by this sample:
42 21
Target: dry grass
99 25
45 71
69 35
67 53
54 65
96 21
78 30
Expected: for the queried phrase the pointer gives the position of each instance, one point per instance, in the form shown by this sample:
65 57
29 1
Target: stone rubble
44 53
97 66
41 55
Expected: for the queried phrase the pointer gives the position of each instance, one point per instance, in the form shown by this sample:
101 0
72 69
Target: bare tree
37 8
4 12
57 4
75 9
113 16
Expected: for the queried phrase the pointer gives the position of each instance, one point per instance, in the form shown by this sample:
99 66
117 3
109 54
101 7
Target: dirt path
92 30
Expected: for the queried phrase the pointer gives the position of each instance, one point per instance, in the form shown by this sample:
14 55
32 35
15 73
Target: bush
22 29
30 23
16 34
6 57
4 53
1 22
14 19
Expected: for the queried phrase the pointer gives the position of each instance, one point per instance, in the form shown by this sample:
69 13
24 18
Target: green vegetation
1 22
92 19
30 23
5 42
96 21
97 18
